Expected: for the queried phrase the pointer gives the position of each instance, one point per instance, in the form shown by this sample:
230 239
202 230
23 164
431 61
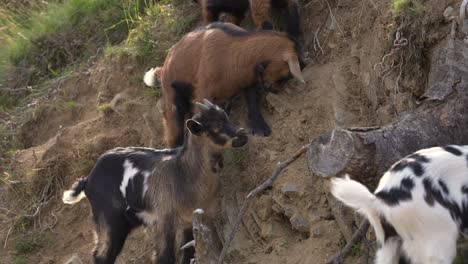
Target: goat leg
256 122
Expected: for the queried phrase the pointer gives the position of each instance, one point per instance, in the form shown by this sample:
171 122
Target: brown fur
220 65
260 12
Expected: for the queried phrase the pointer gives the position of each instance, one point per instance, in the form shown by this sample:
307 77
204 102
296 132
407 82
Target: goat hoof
261 131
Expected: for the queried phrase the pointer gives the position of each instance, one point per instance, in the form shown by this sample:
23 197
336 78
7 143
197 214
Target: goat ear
194 127
295 68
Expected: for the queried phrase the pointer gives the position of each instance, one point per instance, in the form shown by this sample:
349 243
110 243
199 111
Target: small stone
449 13
330 24
317 232
290 190
299 223
289 212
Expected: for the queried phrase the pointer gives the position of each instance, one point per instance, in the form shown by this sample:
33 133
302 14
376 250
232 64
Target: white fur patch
147 217
129 173
166 158
146 174
68 197
150 77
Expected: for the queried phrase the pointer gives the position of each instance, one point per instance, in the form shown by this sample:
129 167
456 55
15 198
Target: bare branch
280 166
356 238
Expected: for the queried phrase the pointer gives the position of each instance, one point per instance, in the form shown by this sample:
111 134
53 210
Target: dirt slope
292 222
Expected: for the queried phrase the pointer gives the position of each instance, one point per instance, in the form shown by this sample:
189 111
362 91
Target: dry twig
356 238
280 166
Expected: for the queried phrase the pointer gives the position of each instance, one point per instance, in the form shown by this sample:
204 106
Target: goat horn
207 102
189 244
202 106
295 69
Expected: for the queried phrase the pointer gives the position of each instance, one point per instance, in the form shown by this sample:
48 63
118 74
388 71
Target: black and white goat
419 207
160 189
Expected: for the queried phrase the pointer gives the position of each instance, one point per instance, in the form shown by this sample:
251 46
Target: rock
317 232
288 211
290 190
449 13
74 260
330 24
299 223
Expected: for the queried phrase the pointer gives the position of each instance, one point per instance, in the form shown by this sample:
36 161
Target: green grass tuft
27 243
20 260
162 25
152 92
39 43
412 7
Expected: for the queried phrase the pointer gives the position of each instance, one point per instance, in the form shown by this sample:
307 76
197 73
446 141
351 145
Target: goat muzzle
241 138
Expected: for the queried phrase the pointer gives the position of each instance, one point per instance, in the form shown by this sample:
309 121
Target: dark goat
160 189
259 9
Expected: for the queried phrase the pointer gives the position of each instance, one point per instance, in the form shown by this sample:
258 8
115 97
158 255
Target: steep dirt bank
291 223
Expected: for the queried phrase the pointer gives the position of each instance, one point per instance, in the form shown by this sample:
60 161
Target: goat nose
241 138
241 131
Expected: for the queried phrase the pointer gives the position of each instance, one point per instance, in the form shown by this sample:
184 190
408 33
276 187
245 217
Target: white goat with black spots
419 207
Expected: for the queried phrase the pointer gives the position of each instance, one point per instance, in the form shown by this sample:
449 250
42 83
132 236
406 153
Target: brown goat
220 61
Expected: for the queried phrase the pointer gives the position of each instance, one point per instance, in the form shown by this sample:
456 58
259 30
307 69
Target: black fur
256 121
228 29
267 25
414 162
183 94
433 195
389 230
464 189
453 150
293 22
234 7
78 186
395 195
404 259
189 253
407 183
443 186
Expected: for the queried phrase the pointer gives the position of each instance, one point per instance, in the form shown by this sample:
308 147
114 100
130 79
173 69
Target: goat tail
76 193
356 196
152 77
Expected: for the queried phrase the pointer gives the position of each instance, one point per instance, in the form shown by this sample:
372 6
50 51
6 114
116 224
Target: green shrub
41 42
412 7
